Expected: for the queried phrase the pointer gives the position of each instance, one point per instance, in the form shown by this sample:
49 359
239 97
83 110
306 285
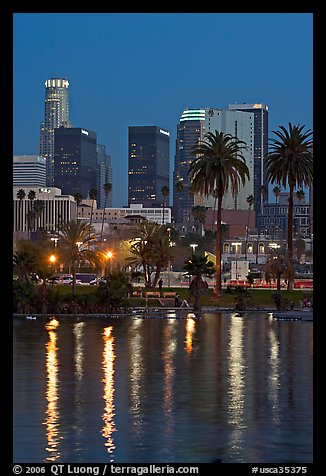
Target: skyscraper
104 175
75 160
260 112
148 165
194 124
29 171
56 115
189 131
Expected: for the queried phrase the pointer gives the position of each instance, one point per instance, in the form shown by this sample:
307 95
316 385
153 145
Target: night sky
144 68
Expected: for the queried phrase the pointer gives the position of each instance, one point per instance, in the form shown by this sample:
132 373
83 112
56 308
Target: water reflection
190 329
79 354
52 413
108 395
170 346
274 377
236 380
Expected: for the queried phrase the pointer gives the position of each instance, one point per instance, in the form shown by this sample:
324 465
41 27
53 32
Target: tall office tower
260 112
75 160
56 115
148 165
241 125
189 131
194 124
104 175
29 171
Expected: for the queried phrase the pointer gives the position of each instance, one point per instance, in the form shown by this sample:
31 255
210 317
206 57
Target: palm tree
300 194
107 190
197 266
24 264
277 192
165 192
263 192
290 163
250 201
75 238
92 195
220 164
38 208
178 188
78 199
20 195
277 265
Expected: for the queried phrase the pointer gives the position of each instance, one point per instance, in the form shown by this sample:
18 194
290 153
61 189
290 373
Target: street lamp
52 260
193 246
108 256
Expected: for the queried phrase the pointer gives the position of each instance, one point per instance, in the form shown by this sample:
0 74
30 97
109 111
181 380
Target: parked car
96 281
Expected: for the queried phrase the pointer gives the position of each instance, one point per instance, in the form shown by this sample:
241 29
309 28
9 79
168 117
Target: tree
278 264
78 199
38 208
75 240
107 190
151 251
277 192
92 195
219 165
290 162
197 266
300 195
165 192
24 264
20 195
250 201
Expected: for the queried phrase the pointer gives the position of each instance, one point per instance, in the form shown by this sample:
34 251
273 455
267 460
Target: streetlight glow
52 259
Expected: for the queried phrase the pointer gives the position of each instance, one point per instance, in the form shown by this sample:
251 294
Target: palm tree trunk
218 288
103 220
290 234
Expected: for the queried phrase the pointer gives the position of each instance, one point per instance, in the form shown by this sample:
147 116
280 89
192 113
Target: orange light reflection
108 394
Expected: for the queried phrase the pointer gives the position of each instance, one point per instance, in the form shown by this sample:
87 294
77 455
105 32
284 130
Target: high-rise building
75 160
29 171
238 124
104 175
194 124
56 115
189 132
148 165
260 112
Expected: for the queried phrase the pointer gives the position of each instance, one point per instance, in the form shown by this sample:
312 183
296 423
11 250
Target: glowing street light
52 260
193 246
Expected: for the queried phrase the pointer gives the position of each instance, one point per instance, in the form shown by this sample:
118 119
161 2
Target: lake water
139 390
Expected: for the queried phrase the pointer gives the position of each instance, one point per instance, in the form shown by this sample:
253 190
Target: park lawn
260 297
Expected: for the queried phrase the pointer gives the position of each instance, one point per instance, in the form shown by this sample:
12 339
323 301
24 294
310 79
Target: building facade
104 175
75 160
260 146
29 171
57 209
56 115
148 165
189 131
112 215
194 124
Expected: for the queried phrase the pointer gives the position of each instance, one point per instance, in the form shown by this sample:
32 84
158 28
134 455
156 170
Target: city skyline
144 69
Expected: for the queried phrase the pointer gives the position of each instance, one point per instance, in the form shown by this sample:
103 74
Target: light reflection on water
52 414
163 390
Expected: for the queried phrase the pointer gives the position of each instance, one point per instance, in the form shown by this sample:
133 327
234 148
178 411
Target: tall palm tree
75 238
107 190
250 201
300 194
78 199
290 162
92 195
277 192
277 265
219 165
179 185
197 266
165 192
20 195
38 208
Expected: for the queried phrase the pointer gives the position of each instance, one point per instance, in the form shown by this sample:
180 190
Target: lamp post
108 256
52 260
193 246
